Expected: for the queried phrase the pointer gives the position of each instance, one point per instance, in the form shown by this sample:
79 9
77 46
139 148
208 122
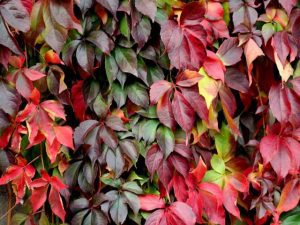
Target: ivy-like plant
156 112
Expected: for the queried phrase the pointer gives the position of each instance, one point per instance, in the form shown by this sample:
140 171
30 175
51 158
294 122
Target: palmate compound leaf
20 175
185 41
39 194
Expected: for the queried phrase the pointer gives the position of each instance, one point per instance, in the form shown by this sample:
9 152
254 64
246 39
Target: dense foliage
156 112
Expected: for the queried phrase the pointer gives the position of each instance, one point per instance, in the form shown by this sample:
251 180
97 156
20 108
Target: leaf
15 14
230 200
267 32
64 135
9 99
155 218
217 164
288 6
84 5
147 8
165 173
187 78
68 19
165 112
279 103
158 89
199 171
289 197
141 32
85 57
7 40
137 94
208 88
229 52
115 162
150 202
126 60
38 197
153 159
224 143
118 210
110 5
196 101
183 213
101 40
56 204
214 66
183 112
252 51
185 41
165 140
236 80
281 152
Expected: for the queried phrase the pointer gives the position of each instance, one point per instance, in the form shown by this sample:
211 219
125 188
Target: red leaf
180 164
33 75
165 173
214 66
182 214
239 181
185 42
183 112
38 197
279 103
20 175
56 204
156 218
252 51
150 202
290 196
79 105
196 101
229 52
180 187
281 152
52 150
158 89
153 159
187 78
54 108
230 200
288 5
64 134
199 171
164 111
212 198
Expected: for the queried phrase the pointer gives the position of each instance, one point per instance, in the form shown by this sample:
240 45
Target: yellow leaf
208 87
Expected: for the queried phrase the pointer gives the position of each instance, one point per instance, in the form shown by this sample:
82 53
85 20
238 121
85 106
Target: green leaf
124 27
138 94
133 187
149 130
100 107
212 176
126 60
111 68
166 140
18 218
217 164
291 220
224 141
44 220
119 95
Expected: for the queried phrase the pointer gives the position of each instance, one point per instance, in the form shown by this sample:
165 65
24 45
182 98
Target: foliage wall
156 112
